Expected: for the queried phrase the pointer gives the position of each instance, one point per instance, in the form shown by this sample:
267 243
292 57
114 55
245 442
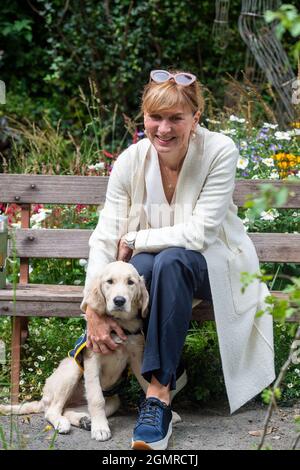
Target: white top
158 211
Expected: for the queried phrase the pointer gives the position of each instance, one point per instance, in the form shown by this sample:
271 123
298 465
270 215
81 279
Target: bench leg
15 358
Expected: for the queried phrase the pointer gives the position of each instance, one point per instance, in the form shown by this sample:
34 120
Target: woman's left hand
124 252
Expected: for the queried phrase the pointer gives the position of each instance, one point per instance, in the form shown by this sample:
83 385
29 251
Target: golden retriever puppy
120 293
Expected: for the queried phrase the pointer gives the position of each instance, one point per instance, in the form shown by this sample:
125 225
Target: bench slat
64 301
52 189
73 243
246 187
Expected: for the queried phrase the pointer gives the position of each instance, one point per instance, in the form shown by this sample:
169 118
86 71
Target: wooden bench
64 301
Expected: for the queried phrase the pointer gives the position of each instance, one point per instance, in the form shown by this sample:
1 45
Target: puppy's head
119 292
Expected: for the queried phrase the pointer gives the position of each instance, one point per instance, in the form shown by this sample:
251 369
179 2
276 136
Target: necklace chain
170 185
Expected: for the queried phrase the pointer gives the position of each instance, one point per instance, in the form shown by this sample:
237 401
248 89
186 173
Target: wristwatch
130 239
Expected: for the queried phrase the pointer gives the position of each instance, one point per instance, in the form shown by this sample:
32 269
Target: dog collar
137 332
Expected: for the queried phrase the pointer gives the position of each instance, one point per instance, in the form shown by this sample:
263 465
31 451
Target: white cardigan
205 219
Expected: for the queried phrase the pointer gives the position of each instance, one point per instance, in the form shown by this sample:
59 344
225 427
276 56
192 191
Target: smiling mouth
165 140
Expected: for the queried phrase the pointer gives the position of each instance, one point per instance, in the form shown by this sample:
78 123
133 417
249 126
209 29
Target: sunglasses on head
181 78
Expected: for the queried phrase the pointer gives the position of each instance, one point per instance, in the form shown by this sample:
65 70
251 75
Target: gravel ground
201 428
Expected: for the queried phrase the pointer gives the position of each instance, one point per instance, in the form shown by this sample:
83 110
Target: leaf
260 432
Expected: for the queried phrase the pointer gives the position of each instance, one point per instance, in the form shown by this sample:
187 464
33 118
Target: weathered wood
277 247
43 292
64 301
73 243
51 189
15 358
24 268
245 187
52 243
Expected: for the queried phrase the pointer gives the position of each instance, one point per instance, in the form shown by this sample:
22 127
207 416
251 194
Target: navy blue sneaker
154 425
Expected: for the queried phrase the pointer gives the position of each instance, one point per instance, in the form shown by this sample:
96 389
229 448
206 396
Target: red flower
79 207
107 154
36 208
135 137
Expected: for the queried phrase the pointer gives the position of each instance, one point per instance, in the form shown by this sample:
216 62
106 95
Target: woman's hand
99 330
124 252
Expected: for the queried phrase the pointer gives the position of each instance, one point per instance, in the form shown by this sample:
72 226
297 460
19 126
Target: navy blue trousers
173 278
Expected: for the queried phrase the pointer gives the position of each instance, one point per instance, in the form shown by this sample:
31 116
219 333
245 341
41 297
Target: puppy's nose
119 301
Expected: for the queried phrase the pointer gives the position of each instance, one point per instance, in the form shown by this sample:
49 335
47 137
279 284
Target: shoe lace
148 413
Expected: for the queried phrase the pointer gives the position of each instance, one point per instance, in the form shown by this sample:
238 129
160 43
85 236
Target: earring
193 135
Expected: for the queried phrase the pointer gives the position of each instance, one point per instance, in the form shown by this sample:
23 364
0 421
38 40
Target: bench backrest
25 190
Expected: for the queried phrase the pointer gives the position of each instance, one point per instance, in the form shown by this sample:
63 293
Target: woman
169 212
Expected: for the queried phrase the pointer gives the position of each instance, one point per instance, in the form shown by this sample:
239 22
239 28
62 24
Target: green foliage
290 387
116 44
203 363
288 20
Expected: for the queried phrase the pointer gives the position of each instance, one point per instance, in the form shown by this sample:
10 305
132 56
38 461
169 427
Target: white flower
290 385
40 216
294 132
282 136
268 161
41 358
97 166
83 262
267 125
243 144
242 163
297 371
255 177
234 118
274 175
271 214
228 131
213 121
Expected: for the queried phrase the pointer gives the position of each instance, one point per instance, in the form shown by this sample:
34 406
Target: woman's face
170 130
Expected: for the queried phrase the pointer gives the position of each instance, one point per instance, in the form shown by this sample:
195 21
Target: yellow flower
286 162
295 125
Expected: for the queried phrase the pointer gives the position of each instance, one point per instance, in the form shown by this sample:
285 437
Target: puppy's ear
95 298
143 297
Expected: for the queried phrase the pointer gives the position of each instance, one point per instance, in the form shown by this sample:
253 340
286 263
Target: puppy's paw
101 432
85 423
63 426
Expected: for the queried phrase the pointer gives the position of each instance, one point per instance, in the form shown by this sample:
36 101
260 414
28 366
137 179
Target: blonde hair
160 96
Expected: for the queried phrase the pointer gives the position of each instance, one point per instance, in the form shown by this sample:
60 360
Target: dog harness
77 354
